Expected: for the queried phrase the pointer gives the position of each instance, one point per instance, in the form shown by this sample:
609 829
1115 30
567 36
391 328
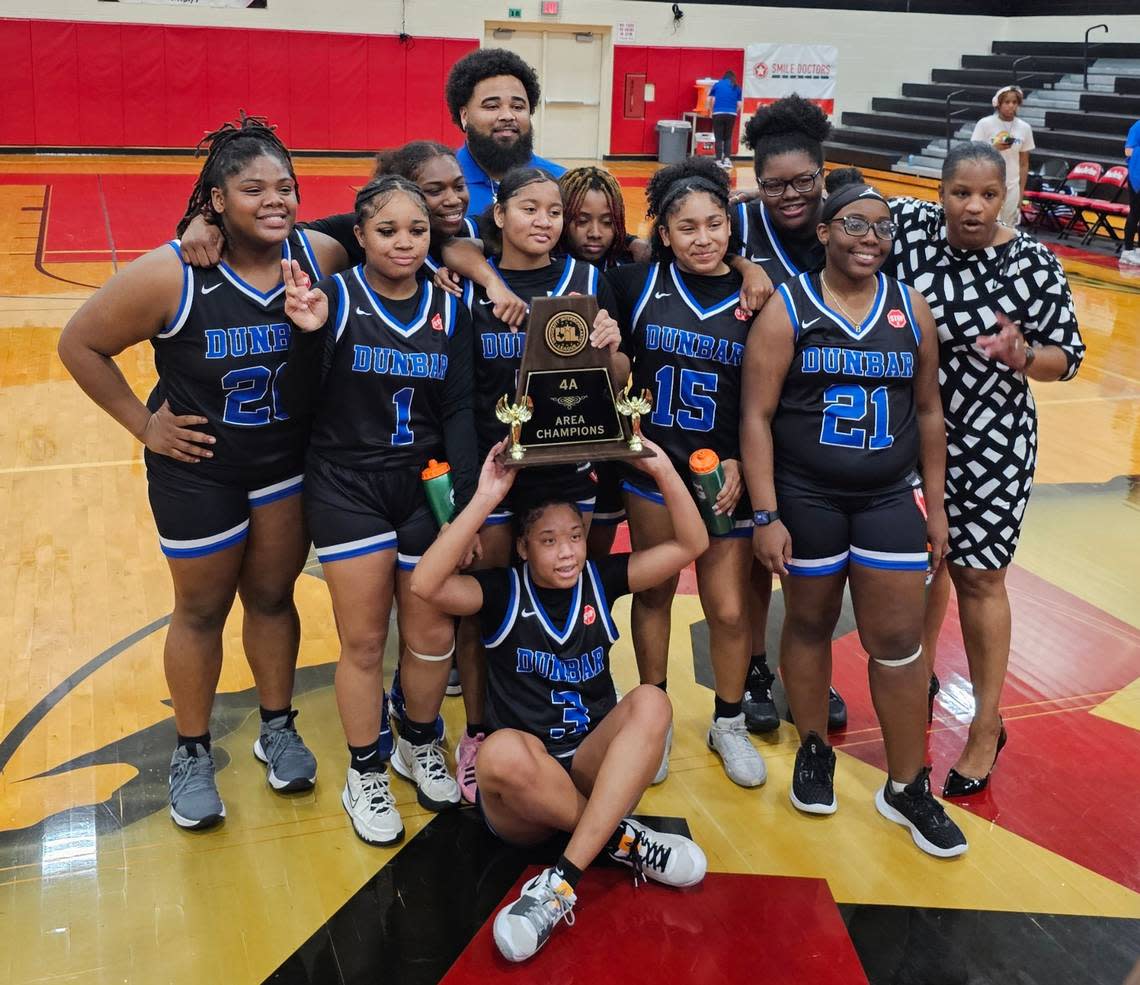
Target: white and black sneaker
760 714
915 808
523 927
813 779
672 860
368 799
436 789
662 773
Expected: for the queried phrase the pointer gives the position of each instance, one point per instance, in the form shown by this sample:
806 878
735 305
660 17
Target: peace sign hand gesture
305 307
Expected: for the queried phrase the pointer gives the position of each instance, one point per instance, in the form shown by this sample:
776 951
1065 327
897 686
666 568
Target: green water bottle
439 491
707 478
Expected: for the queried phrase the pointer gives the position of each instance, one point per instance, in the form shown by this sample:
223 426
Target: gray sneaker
194 800
291 766
454 684
728 738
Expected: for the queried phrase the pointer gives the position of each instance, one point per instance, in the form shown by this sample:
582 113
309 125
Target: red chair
1104 201
1081 179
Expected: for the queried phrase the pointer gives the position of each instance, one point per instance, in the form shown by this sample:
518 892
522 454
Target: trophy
566 407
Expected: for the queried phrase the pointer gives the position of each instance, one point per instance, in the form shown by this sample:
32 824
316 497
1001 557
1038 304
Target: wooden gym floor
97 885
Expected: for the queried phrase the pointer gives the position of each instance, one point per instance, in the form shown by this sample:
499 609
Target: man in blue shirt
491 94
1130 254
726 96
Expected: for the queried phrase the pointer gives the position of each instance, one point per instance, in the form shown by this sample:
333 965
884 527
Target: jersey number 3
574 714
845 404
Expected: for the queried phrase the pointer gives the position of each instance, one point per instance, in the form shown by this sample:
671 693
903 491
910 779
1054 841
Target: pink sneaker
465 765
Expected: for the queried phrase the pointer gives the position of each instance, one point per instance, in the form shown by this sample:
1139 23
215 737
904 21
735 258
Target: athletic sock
758 664
664 685
191 742
897 787
418 733
267 716
474 728
565 869
367 759
726 709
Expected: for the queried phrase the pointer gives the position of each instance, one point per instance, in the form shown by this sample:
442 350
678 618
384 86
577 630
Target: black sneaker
813 779
836 710
760 713
915 808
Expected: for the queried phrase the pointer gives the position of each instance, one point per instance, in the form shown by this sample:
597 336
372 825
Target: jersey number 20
845 404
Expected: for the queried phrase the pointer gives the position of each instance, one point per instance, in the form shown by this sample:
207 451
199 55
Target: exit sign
550 7
514 12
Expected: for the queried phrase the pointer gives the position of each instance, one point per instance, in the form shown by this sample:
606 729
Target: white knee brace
901 662
429 659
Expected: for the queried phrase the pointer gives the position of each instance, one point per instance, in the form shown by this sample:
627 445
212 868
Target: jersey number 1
846 403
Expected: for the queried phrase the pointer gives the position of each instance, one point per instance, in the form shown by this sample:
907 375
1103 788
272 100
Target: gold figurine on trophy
633 408
516 415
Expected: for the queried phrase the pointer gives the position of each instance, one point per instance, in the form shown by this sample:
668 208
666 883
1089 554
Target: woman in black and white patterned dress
1005 316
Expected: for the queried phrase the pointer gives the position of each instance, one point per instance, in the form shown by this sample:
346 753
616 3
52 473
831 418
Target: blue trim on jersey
472 227
407 562
786 294
449 306
279 490
249 290
742 223
312 257
544 618
790 267
431 264
511 614
650 280
567 273
205 545
914 326
701 313
806 572
603 602
854 331
468 293
651 495
889 561
357 548
418 319
498 518
592 281
185 301
342 305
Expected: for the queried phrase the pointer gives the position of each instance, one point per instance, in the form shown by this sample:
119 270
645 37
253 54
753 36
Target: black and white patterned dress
991 419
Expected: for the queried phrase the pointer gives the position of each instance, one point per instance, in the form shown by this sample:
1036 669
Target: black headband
690 183
845 196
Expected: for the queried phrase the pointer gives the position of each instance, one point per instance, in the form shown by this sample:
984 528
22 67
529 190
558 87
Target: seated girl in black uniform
841 411
684 328
563 755
224 460
382 360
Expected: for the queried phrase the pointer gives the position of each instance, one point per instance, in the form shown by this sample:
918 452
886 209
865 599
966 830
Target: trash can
672 141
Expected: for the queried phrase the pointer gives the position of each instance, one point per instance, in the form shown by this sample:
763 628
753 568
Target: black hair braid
408 160
373 196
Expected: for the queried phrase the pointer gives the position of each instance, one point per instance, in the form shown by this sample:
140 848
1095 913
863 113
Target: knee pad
901 662
431 659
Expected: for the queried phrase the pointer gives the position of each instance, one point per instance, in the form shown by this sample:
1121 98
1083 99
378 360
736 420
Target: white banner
775 70
198 3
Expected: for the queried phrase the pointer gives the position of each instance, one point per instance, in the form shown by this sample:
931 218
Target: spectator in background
1012 137
491 94
726 102
1130 255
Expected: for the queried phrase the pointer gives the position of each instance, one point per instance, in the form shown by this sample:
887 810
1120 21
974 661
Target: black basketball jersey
553 682
846 418
688 356
752 223
380 405
220 358
498 350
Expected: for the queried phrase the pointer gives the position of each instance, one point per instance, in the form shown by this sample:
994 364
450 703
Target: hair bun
841 177
791 114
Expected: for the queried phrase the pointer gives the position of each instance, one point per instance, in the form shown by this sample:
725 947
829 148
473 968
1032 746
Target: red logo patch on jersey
742 314
437 322
896 319
589 615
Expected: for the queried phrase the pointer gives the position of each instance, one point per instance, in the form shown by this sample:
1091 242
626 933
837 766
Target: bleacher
1071 122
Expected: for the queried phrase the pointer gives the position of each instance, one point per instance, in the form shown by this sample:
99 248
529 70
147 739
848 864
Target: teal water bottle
707 478
439 491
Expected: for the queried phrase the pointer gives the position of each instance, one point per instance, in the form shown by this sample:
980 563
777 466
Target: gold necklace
854 322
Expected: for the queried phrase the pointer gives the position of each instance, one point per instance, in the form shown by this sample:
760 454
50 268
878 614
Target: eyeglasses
803 183
856 225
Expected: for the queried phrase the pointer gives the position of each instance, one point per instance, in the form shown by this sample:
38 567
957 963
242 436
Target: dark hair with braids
407 161
486 63
379 191
231 147
787 125
579 182
671 185
514 181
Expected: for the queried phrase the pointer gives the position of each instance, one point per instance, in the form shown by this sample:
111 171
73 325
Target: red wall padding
82 84
672 71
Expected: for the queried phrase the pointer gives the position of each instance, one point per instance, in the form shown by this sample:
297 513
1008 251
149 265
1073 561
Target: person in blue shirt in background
1130 255
491 94
726 99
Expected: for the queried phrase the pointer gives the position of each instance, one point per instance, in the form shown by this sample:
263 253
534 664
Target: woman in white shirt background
1012 137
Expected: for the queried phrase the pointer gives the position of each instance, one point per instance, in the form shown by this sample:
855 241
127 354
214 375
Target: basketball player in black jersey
841 410
684 328
562 755
224 458
383 362
523 228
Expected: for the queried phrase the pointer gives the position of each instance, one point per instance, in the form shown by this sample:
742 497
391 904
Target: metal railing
951 114
1095 27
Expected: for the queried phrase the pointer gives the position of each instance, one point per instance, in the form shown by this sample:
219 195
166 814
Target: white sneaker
728 738
663 769
524 926
436 789
1130 257
372 808
672 860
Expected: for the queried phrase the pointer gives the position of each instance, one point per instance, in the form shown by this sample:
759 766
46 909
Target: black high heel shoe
957 785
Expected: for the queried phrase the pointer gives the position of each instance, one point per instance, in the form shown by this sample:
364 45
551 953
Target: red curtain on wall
83 84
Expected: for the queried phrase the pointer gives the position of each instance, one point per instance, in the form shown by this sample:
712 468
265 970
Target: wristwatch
1030 355
761 518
